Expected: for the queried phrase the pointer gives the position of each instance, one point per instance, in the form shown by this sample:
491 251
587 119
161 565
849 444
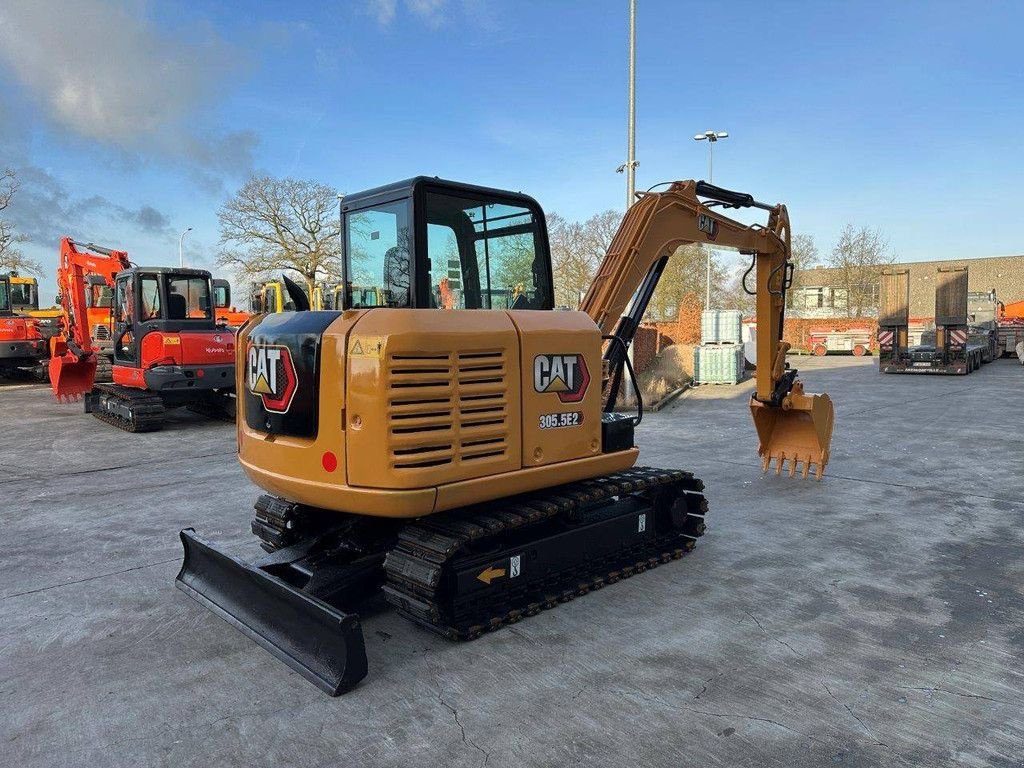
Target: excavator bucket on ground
320 642
799 432
71 377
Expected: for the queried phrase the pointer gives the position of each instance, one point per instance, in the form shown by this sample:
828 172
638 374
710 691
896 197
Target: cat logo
707 225
565 375
270 375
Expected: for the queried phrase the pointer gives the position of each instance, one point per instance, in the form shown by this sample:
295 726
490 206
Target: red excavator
168 351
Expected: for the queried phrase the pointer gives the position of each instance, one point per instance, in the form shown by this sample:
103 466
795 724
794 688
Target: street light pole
181 259
710 137
629 167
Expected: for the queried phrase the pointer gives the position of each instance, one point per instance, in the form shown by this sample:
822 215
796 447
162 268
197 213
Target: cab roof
181 271
408 188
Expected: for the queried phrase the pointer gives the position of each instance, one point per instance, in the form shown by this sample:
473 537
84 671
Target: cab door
125 314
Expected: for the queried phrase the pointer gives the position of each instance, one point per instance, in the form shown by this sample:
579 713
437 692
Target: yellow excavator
272 296
468 460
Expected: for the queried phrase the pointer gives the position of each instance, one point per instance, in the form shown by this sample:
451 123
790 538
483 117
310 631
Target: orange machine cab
164 333
21 343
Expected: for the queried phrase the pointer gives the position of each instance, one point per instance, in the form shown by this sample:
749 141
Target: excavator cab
21 344
272 296
429 243
156 299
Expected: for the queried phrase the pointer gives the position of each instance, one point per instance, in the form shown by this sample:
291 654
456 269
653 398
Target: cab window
24 295
378 254
149 287
99 296
286 303
483 254
124 312
221 296
5 297
188 298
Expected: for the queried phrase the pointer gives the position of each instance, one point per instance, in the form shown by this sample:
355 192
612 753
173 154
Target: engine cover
281 373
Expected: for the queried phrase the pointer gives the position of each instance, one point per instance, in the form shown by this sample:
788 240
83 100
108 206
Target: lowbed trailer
953 348
955 353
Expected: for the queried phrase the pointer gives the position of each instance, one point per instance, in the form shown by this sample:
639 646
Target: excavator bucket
799 432
320 642
70 378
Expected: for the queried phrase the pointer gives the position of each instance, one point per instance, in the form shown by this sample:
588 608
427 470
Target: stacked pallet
719 359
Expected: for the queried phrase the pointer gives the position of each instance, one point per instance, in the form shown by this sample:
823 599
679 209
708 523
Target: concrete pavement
873 619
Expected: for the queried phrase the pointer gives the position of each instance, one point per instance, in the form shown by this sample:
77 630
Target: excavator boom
791 426
73 362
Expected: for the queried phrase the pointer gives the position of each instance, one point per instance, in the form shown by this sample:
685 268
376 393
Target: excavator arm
791 425
73 358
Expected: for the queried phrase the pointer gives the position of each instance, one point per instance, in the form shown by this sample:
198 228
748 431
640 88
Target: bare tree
686 273
577 249
735 296
281 224
858 258
803 253
11 257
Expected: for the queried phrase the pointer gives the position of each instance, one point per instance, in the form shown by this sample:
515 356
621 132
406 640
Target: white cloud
383 11
100 69
429 11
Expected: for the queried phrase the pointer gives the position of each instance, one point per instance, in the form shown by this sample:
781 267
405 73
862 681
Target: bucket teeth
802 464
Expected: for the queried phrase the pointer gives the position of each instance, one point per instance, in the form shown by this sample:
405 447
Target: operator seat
177 307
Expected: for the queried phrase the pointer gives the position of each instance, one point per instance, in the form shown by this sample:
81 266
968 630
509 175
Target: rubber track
104 369
219 409
147 409
415 566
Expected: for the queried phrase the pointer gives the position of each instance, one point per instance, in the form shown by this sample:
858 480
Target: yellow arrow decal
490 574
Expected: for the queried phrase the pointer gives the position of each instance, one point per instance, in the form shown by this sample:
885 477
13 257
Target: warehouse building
820 293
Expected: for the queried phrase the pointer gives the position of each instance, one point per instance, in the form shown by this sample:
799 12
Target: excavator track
616 526
104 369
133 410
216 406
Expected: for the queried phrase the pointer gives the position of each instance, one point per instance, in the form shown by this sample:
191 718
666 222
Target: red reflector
199 372
330 461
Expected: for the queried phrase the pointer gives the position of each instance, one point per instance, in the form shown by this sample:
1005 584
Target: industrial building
820 292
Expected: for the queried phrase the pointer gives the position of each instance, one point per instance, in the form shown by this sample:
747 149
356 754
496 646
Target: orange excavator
22 345
168 350
227 313
466 458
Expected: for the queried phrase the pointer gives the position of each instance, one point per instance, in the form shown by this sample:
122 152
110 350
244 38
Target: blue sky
131 120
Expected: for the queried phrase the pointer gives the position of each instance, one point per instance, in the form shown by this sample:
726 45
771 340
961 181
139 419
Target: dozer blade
70 378
319 642
800 432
